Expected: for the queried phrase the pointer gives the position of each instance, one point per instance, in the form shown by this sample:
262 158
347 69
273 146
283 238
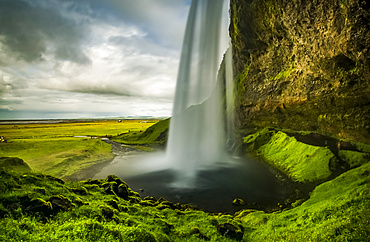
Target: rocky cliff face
303 65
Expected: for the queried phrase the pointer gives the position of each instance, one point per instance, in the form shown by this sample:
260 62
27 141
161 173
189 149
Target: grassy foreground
52 149
37 207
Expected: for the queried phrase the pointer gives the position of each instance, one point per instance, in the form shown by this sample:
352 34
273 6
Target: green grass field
53 149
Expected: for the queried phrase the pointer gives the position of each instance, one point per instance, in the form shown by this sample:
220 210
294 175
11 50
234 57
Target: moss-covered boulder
231 231
61 203
40 206
299 161
354 158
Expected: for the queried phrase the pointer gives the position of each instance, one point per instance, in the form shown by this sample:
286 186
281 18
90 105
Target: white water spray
197 137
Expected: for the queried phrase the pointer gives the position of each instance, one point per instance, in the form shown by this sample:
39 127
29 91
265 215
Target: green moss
363 147
240 83
301 162
337 210
95 215
354 158
258 139
282 74
235 23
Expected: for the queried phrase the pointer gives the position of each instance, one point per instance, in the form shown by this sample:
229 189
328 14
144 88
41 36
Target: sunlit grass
53 149
92 128
154 135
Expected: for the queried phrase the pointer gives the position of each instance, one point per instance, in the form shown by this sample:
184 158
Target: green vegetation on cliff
299 161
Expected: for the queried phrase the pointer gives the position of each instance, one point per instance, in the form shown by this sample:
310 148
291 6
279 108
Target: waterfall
197 138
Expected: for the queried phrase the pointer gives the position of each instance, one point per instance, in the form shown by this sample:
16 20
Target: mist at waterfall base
196 167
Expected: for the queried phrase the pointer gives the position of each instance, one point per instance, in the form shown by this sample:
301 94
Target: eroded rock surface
303 65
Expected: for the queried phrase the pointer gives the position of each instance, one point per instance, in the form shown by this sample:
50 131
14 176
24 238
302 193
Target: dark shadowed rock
41 206
116 179
122 191
107 211
80 191
230 231
60 203
108 188
238 202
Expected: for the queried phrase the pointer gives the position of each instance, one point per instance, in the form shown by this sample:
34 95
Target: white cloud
98 56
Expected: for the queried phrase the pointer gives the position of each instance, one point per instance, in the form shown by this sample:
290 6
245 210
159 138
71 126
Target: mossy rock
299 161
231 231
80 190
254 141
114 178
39 205
137 234
61 203
238 202
147 203
122 191
107 211
354 158
363 147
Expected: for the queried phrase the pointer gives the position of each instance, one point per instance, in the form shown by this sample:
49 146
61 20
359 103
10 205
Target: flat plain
64 148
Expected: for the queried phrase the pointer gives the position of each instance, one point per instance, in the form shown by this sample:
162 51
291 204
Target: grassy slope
153 136
58 156
300 161
336 211
50 148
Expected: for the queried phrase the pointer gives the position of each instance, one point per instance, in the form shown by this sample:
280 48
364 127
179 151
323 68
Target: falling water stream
197 138
197 166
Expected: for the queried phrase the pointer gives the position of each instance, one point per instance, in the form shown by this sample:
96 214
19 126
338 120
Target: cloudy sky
89 58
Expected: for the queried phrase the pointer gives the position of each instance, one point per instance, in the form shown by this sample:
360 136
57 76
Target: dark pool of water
214 189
